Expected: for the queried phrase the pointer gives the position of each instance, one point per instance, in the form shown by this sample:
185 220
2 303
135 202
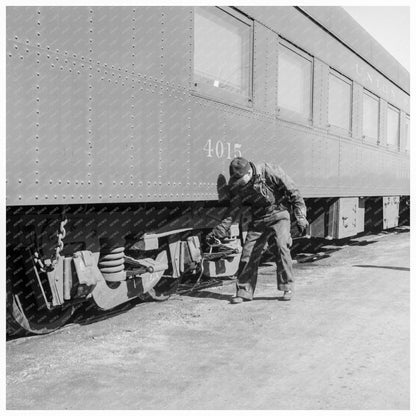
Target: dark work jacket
269 190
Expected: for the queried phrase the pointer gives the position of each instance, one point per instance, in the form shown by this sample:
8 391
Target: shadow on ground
206 294
407 269
304 250
313 249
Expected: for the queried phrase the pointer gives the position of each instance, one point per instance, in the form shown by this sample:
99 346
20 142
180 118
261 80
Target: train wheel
24 316
163 289
23 322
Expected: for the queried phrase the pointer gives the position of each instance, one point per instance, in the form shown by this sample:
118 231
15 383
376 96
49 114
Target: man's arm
286 186
221 230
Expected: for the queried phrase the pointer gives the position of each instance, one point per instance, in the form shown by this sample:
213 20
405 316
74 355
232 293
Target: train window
371 105
339 101
222 54
406 133
294 92
393 116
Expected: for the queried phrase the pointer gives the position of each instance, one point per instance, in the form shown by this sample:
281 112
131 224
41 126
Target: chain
49 265
61 235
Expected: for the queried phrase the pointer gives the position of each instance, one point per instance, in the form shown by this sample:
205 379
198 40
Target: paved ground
342 343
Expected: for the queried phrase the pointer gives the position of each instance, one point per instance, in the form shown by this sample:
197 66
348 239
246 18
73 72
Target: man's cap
238 168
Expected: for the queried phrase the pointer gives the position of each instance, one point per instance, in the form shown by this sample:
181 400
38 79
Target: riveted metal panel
320 94
294 148
113 143
22 24
112 36
207 129
383 123
323 176
147 28
370 170
145 126
84 125
398 173
402 137
265 69
62 130
176 45
98 133
388 165
357 111
22 118
66 30
262 129
368 163
174 142
347 168
125 137
253 132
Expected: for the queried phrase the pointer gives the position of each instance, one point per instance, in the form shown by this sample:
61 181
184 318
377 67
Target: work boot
238 299
287 295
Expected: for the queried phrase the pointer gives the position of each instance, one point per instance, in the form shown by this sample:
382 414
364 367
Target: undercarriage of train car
59 257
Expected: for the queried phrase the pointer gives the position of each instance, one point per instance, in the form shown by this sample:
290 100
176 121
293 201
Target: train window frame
282 111
213 92
334 128
393 146
367 138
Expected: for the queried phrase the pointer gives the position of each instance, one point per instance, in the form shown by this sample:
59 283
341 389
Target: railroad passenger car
122 121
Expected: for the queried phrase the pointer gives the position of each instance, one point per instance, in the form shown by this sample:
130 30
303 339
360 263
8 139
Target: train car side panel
265 70
66 30
287 21
21 123
176 46
63 124
320 94
174 144
118 125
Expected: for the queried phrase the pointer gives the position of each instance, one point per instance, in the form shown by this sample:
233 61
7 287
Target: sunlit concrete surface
341 343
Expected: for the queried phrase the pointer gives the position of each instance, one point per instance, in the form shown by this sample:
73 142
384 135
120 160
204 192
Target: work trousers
276 227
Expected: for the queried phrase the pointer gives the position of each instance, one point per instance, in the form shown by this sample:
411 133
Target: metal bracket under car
223 258
108 295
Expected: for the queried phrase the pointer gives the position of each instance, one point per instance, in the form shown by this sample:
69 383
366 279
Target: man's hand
302 224
211 239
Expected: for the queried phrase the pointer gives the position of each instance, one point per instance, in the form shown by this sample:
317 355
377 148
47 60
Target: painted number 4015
221 149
